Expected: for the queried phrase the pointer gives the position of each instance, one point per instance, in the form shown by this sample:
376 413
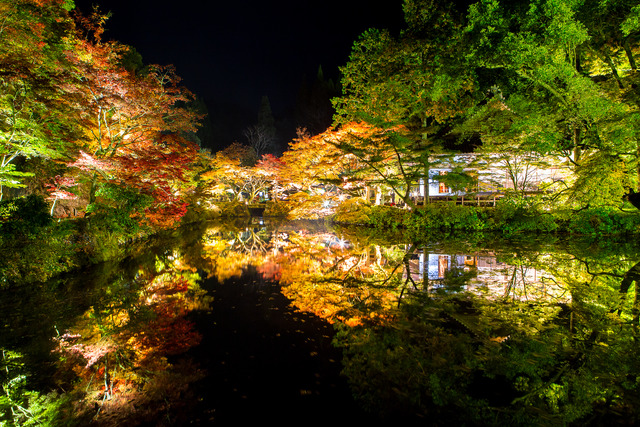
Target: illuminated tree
58 190
160 171
544 95
33 123
272 168
418 81
384 157
230 172
528 78
132 123
311 161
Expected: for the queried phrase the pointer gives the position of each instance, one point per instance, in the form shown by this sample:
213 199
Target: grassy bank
507 219
35 247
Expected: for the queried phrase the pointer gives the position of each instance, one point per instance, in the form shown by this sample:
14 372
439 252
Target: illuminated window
443 187
443 265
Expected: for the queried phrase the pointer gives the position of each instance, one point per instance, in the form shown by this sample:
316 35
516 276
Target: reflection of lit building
493 272
439 264
497 278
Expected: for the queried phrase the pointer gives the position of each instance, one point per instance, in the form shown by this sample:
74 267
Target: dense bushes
447 216
33 247
353 211
436 217
514 216
602 220
508 218
387 217
24 216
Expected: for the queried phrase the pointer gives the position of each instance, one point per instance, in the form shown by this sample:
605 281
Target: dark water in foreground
231 324
266 361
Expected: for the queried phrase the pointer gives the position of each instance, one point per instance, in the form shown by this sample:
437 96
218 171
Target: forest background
91 134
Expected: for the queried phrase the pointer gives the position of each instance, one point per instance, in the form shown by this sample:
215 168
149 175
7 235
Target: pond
299 322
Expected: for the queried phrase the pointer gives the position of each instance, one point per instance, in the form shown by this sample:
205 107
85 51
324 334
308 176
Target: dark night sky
232 53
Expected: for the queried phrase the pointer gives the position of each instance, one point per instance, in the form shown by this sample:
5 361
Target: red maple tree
132 123
58 190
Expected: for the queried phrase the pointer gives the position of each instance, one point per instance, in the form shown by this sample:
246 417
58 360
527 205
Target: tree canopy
534 76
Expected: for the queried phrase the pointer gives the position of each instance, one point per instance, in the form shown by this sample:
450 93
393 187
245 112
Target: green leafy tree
33 122
416 80
539 65
531 78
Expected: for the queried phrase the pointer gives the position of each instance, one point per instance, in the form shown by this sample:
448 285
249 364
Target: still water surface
299 323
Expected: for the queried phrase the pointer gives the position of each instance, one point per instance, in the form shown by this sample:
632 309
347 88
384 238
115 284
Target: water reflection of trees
456 331
551 332
118 362
527 333
562 356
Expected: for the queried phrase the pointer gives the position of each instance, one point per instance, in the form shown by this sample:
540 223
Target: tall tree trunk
578 62
632 275
577 152
607 60
426 183
629 52
425 162
637 167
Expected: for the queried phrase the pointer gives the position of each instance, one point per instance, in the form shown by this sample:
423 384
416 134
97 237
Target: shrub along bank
35 248
508 219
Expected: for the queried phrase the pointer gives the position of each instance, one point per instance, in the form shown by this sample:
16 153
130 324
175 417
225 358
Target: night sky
233 53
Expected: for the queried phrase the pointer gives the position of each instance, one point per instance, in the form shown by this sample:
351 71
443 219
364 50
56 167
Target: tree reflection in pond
119 349
557 351
117 333
533 336
452 332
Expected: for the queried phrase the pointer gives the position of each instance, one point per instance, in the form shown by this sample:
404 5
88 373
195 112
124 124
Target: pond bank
506 219
39 248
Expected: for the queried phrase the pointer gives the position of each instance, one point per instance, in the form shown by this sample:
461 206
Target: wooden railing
468 200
